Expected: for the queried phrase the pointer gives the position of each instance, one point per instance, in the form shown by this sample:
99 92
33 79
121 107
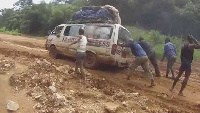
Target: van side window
98 32
66 32
74 30
123 35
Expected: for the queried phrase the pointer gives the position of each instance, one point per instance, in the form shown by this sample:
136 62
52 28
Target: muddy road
41 84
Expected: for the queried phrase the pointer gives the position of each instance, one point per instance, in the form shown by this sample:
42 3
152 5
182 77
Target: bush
3 29
12 32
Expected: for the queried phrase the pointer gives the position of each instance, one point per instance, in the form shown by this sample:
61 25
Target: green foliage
196 55
23 4
37 18
13 32
174 17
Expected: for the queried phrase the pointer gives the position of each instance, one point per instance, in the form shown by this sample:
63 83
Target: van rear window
98 32
124 35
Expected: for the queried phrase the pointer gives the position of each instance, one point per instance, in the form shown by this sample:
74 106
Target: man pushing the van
80 54
141 60
148 48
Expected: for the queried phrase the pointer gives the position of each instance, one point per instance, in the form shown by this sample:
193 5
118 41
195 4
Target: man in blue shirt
141 59
170 53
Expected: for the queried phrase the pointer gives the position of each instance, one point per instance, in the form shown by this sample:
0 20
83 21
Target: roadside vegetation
12 32
158 40
174 17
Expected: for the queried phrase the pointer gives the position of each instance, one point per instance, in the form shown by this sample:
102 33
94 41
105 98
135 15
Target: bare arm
122 45
89 40
79 37
195 45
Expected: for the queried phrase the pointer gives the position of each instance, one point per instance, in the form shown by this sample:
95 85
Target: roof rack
84 21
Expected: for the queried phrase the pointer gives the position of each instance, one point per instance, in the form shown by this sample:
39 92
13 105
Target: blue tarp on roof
91 14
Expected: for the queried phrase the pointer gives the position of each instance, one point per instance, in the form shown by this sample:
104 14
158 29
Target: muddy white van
102 47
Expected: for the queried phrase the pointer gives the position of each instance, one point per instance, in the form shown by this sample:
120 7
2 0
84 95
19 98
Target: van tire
53 52
90 60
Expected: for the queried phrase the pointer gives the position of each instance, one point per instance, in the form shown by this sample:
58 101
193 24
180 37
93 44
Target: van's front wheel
90 60
53 52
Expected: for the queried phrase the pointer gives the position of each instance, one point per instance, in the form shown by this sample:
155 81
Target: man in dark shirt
141 59
187 53
148 48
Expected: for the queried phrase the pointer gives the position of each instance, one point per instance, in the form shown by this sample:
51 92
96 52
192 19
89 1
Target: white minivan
102 47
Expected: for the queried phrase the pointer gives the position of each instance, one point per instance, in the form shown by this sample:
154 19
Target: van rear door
123 54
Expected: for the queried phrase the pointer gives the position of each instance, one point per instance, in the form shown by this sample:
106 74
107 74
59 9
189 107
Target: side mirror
58 35
49 32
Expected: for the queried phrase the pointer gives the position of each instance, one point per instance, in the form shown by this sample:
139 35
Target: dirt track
105 85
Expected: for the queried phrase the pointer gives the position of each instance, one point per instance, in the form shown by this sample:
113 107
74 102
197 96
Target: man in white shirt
80 54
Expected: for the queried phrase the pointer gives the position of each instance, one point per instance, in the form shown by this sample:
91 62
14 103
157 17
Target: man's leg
76 69
173 60
177 78
146 69
170 63
131 70
83 77
168 67
185 81
77 63
153 60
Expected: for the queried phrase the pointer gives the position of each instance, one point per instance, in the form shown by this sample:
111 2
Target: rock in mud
144 107
37 106
6 65
111 107
125 103
12 106
198 103
53 89
65 69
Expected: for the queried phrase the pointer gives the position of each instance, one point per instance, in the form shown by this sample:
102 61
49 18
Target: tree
23 4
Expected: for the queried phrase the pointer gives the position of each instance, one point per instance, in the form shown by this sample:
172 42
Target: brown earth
27 72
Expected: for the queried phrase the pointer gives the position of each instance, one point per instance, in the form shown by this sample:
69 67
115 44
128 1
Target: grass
13 32
157 40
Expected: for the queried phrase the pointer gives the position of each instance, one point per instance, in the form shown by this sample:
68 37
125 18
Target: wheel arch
89 51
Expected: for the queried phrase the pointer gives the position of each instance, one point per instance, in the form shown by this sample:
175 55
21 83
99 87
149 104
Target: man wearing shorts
187 53
141 60
171 54
80 54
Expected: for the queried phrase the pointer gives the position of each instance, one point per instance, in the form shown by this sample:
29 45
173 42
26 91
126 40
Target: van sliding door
70 34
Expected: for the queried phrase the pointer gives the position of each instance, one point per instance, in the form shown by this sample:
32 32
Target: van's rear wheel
53 52
90 60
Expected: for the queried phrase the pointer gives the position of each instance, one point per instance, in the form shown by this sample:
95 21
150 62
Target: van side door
70 35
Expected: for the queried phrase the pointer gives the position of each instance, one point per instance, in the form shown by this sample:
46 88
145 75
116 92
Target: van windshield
98 32
124 35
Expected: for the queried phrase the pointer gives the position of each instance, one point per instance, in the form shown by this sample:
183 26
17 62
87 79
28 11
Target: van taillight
114 49
124 54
